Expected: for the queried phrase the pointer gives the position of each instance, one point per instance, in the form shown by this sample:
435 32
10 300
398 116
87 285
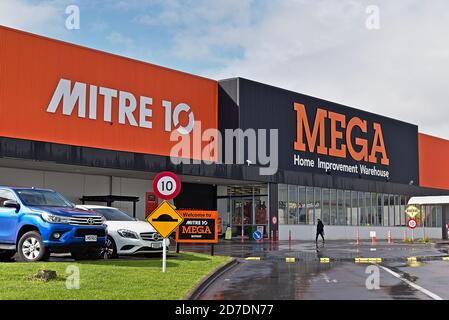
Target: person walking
319 231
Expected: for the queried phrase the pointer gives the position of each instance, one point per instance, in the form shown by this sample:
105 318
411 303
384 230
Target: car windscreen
46 198
113 214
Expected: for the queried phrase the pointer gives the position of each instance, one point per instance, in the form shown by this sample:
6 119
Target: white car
126 235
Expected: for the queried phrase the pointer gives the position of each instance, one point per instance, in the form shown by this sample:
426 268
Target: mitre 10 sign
198 226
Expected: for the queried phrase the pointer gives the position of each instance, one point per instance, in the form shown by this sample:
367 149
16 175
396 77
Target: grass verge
109 279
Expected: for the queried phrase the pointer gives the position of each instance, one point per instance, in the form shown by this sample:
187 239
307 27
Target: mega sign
319 136
341 130
57 92
348 138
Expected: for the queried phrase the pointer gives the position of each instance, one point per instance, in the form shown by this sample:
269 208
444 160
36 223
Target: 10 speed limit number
166 185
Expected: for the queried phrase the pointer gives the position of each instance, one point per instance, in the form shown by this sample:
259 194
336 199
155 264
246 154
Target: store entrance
246 210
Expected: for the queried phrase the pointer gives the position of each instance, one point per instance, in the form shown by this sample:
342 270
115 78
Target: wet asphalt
307 277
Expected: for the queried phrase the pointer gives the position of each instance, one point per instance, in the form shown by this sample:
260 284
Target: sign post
411 224
165 219
413 213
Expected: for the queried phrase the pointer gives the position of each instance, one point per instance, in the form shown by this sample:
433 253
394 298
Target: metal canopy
110 199
429 200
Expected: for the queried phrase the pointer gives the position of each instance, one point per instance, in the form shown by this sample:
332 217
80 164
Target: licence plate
156 245
90 238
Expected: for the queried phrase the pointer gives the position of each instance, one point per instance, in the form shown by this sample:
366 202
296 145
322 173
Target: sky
387 57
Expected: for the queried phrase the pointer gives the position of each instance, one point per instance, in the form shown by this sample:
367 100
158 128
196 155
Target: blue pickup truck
35 222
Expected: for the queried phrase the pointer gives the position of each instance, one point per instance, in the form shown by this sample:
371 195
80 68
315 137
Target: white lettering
108 95
127 105
144 112
69 98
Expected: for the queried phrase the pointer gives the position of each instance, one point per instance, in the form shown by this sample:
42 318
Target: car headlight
127 234
51 218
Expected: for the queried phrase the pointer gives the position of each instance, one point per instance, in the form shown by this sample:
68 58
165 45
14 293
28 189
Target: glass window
325 206
302 206
423 217
6 195
397 218
355 208
373 211
391 210
113 214
380 209
317 199
439 216
348 207
402 210
362 209
386 204
310 205
333 207
282 204
292 204
341 214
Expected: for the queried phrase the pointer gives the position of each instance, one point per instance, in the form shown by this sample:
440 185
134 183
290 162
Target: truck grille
86 221
150 236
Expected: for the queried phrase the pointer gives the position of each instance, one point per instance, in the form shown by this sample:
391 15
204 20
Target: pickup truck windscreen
45 198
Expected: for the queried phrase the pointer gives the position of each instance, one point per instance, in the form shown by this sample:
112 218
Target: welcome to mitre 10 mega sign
57 92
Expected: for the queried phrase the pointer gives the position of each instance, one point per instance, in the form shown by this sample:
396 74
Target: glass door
242 217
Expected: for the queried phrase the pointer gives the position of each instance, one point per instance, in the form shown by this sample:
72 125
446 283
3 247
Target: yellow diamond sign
412 211
165 219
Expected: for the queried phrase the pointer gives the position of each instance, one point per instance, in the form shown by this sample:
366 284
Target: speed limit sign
412 223
166 185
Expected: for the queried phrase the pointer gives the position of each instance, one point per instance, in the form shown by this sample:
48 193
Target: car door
8 218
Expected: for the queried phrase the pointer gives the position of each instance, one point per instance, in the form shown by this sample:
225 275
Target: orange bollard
357 238
389 236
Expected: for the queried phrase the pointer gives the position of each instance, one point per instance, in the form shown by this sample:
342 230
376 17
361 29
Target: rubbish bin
228 233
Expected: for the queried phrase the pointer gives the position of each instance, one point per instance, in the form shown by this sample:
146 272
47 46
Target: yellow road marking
446 258
324 260
412 259
252 258
290 259
368 260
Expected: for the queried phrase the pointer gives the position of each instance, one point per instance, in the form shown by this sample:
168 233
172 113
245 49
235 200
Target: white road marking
413 285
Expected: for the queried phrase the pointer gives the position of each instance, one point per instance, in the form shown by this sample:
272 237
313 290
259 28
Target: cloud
118 39
42 17
323 48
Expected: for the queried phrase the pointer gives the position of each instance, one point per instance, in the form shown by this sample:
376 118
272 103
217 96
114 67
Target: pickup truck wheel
31 248
6 255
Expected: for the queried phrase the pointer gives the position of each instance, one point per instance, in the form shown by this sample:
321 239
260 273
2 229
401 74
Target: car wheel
31 248
6 255
110 249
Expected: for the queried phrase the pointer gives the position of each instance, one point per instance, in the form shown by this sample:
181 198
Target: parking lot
339 270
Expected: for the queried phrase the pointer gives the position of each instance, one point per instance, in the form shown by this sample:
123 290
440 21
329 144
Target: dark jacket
319 227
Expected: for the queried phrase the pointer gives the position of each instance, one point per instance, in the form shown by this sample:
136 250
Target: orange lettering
303 126
378 146
337 135
363 153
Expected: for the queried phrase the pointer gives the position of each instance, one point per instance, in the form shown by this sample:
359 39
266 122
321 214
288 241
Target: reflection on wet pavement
308 277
